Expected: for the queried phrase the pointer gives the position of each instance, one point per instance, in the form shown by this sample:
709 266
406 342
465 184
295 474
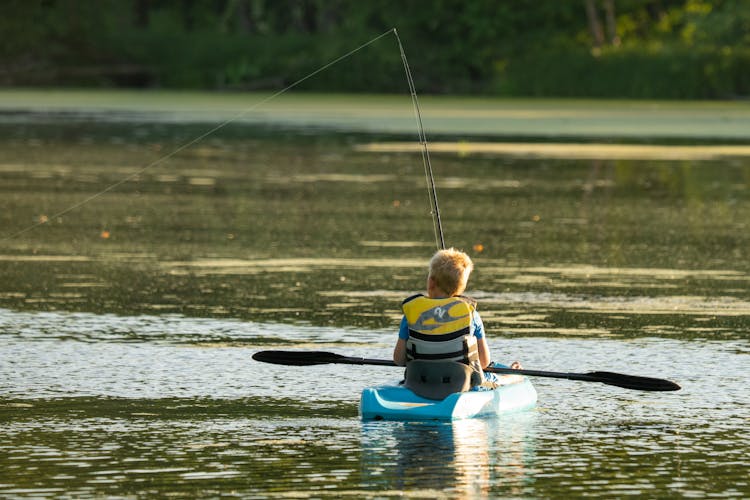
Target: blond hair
450 270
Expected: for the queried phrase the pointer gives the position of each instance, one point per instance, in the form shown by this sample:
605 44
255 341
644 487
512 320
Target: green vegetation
600 48
446 117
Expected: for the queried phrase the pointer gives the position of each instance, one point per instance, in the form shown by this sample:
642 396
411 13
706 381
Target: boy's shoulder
468 300
409 299
472 302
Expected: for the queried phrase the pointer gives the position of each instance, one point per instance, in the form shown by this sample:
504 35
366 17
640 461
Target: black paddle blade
297 358
634 382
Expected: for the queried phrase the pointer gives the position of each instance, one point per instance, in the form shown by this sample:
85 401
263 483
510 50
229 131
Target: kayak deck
396 402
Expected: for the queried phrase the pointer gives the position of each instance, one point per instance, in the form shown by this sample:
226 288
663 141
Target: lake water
127 323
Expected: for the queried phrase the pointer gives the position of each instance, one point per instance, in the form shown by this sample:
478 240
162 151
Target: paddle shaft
308 358
537 373
346 360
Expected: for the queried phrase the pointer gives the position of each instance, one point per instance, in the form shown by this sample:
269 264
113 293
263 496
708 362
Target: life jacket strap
464 350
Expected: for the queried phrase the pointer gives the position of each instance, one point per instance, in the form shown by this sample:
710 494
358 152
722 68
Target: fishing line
196 139
434 209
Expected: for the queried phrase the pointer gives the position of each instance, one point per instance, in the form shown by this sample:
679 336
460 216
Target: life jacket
440 331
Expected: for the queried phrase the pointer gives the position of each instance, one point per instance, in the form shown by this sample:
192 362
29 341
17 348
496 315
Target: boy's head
450 270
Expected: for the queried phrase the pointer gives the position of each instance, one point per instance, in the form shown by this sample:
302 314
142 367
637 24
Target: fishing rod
434 209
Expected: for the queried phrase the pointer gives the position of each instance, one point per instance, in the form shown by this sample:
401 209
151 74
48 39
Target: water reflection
480 458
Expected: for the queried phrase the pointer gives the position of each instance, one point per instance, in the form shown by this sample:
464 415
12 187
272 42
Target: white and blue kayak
396 402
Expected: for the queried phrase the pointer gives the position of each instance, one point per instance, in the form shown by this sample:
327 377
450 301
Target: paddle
307 358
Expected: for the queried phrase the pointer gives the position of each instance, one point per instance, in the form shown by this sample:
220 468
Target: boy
445 326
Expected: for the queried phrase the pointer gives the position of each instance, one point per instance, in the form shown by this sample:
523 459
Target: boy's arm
485 357
399 352
484 352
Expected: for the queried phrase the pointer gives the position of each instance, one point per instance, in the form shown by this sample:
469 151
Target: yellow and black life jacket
440 330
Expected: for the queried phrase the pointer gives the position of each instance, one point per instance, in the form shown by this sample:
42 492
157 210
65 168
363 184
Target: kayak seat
437 379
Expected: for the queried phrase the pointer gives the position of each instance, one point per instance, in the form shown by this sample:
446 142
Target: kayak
396 402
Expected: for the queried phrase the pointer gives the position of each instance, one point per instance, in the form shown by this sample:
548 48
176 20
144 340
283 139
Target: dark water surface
127 324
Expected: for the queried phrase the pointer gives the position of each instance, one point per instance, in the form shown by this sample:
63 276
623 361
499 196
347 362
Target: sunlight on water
395 244
566 150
